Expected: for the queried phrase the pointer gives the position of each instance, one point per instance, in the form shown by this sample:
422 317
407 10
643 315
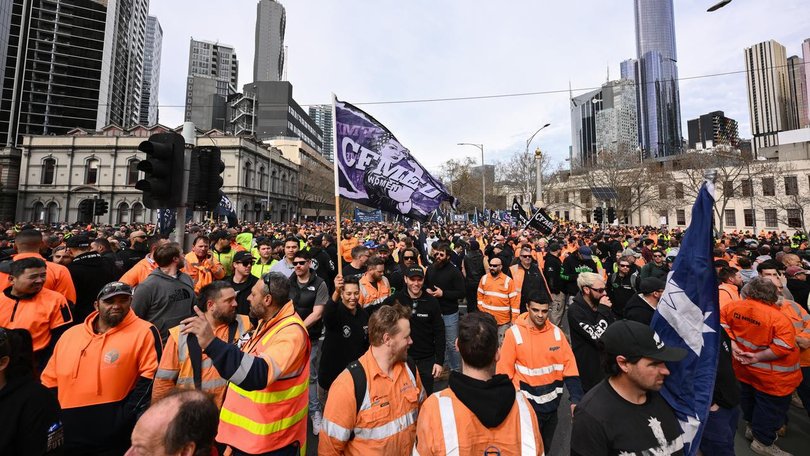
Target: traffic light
206 181
86 210
611 215
163 183
102 207
597 215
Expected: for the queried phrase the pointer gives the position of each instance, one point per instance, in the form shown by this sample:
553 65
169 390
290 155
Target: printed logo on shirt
244 339
664 447
314 264
658 342
111 356
347 331
56 436
595 331
311 288
553 348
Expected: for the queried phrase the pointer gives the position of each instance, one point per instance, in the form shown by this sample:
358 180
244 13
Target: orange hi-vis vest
728 293
447 427
801 324
756 326
370 295
497 296
274 417
203 272
138 273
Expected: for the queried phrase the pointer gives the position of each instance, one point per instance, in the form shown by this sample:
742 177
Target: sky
368 51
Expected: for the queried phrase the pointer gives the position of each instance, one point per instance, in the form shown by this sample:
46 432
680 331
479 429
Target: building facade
151 72
56 87
712 129
213 71
268 60
316 177
797 88
616 121
119 96
657 78
57 173
768 93
806 58
322 116
584 109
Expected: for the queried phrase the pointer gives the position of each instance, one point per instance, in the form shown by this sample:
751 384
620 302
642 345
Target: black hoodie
486 399
29 423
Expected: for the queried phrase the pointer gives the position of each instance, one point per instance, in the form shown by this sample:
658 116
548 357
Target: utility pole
190 136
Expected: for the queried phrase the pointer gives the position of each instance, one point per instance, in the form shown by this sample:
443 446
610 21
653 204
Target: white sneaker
771 450
316 422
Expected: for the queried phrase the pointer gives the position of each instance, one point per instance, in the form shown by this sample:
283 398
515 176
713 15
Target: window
567 217
728 190
123 213
791 185
794 218
262 180
137 213
273 181
680 215
731 217
247 175
565 197
48 171
770 218
768 188
133 175
585 197
747 188
662 191
91 172
39 212
679 191
663 217
51 213
750 216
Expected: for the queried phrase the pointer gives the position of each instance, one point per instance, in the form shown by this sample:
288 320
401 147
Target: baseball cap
631 338
651 284
586 252
793 271
414 271
114 289
241 256
80 241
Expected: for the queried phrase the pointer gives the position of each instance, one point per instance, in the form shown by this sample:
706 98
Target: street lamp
718 5
483 175
538 155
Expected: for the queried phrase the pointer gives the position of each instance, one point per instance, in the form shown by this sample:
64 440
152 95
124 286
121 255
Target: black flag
518 214
541 222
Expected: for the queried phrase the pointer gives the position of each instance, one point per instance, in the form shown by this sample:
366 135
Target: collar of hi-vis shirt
265 326
375 371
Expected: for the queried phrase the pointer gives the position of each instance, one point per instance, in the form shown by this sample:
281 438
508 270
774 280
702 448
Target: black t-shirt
605 424
345 339
349 271
242 292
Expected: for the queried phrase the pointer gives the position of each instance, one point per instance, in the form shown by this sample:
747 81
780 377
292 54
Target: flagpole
335 165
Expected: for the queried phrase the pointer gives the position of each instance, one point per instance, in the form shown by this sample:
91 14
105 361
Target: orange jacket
175 369
447 426
756 326
202 272
57 277
92 369
497 296
728 293
260 421
537 361
386 422
370 294
801 324
346 246
39 314
139 272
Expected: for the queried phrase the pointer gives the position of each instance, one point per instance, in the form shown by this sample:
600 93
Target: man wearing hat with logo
633 358
90 272
102 372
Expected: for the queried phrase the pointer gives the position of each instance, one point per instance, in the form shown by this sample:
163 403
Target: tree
521 170
463 179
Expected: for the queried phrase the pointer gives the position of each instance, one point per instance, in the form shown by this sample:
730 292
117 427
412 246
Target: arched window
273 182
262 180
283 184
247 175
38 213
133 175
51 213
48 171
123 213
91 172
137 213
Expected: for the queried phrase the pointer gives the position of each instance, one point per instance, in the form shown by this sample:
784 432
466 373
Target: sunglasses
299 263
408 258
495 265
624 265
246 263
115 287
598 290
525 256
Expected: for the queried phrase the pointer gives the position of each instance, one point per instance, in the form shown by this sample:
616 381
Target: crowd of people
114 340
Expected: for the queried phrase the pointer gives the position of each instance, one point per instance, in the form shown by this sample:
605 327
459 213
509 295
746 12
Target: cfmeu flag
687 316
375 170
518 214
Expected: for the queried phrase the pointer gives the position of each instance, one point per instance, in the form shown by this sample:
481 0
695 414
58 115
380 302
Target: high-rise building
151 72
213 72
268 60
584 109
322 116
657 78
5 31
616 121
806 58
627 69
267 110
768 93
712 129
119 96
55 88
797 87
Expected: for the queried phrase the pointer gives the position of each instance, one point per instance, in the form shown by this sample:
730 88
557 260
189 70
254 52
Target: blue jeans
718 435
314 358
766 413
450 336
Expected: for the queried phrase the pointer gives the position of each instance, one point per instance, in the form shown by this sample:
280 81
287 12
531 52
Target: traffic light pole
190 136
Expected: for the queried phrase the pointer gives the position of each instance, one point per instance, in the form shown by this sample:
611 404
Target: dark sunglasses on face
598 290
299 263
246 263
408 258
525 256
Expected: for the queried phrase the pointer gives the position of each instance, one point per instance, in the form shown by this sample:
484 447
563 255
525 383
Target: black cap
414 271
241 256
217 235
651 284
631 338
114 289
79 241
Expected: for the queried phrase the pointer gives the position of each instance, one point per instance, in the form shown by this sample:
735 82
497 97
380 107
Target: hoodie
587 326
485 399
90 272
30 422
103 381
164 300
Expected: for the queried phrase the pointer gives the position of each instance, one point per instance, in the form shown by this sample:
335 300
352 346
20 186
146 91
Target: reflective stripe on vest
448 419
527 442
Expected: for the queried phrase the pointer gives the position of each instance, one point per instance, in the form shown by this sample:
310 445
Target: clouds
393 50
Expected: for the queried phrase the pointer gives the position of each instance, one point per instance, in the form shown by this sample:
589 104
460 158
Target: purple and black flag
375 170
